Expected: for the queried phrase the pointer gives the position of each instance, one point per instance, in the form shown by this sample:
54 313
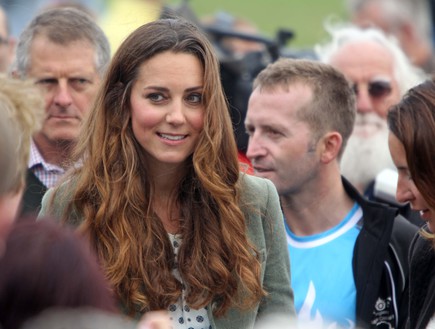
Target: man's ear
331 146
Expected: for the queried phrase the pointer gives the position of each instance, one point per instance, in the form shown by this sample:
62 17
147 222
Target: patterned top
46 172
182 316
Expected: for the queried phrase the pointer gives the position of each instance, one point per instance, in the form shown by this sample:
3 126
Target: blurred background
304 18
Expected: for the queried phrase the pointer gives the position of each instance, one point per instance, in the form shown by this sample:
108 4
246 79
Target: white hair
364 157
406 74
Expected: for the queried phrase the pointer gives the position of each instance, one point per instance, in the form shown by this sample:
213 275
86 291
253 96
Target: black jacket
421 283
32 197
380 264
404 210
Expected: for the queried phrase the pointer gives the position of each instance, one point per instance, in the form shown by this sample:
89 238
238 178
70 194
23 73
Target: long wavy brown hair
114 193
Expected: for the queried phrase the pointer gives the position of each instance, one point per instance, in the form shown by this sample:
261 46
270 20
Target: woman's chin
431 226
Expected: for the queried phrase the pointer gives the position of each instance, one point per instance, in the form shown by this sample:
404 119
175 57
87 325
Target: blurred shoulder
55 318
255 183
57 199
257 188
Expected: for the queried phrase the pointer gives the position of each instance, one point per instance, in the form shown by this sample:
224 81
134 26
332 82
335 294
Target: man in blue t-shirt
348 269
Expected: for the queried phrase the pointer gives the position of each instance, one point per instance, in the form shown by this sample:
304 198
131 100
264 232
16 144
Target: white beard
367 152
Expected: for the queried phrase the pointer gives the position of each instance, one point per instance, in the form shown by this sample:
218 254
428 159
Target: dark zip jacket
421 283
380 264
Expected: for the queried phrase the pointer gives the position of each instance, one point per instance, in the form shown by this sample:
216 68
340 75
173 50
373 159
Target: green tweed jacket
265 228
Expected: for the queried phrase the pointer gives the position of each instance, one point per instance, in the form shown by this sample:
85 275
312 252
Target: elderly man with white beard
367 152
380 74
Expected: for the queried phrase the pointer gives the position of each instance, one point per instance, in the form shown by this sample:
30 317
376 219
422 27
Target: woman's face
167 111
406 189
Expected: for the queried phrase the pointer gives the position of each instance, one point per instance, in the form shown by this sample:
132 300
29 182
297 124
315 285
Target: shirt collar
36 159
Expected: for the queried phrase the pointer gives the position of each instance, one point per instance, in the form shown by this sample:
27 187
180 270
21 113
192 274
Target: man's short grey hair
407 75
398 12
62 26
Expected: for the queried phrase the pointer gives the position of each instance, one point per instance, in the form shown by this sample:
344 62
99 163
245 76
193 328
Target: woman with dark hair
174 223
50 279
412 147
46 266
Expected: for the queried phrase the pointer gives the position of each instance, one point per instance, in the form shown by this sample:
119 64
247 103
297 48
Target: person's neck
168 212
166 182
57 153
318 208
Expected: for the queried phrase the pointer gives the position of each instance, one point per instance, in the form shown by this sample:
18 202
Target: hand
155 320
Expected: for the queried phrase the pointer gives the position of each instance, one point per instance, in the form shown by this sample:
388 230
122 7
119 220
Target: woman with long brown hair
412 147
175 225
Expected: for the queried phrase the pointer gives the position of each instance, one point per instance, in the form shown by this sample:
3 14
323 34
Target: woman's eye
155 97
194 98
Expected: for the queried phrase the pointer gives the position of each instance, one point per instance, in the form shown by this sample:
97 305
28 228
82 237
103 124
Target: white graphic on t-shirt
304 315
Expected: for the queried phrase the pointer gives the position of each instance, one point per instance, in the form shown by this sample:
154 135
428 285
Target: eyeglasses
376 89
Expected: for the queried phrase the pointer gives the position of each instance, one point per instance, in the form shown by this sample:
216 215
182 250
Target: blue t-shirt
322 276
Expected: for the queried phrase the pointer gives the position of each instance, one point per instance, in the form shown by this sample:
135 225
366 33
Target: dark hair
412 121
44 266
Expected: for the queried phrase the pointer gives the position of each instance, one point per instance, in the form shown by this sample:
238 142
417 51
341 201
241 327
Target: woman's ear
331 144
